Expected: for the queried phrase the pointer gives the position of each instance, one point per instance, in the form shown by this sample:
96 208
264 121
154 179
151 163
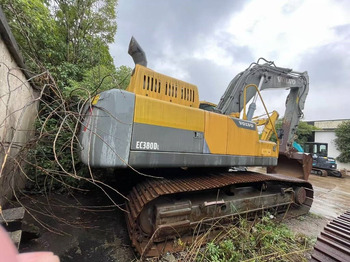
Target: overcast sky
207 43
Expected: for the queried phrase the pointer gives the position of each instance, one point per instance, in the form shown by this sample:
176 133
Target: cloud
176 26
208 42
328 68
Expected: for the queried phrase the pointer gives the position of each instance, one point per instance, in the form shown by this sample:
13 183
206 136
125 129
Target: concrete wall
327 135
17 115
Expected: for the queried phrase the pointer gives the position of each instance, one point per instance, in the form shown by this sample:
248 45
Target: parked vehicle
322 164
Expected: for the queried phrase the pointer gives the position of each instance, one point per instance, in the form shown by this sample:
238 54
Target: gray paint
206 149
274 77
168 139
244 124
162 159
106 139
110 138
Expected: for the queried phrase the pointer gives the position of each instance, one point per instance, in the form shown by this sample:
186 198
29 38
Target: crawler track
149 245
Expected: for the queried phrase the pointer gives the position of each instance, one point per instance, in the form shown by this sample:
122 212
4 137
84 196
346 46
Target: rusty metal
152 240
300 195
333 244
293 164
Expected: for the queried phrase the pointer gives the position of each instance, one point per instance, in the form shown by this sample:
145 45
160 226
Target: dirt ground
91 231
80 228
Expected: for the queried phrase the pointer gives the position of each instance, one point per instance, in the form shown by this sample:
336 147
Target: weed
315 216
259 240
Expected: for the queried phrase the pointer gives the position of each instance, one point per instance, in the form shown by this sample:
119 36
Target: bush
261 240
342 141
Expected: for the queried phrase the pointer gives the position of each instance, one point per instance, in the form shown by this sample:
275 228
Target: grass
260 240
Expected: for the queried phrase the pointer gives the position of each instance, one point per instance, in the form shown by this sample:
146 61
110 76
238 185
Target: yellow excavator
197 153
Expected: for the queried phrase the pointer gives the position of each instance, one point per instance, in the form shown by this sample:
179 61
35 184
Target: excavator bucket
295 164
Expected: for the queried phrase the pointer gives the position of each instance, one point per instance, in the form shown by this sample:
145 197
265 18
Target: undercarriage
326 172
167 214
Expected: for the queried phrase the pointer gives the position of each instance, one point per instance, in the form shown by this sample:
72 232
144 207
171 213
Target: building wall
328 136
18 110
330 124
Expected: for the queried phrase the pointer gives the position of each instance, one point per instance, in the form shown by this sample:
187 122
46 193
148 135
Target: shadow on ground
79 228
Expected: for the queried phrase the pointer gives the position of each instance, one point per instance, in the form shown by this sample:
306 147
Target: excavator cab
320 149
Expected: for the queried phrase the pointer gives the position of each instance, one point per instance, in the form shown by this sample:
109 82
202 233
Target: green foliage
69 39
98 79
260 241
303 133
53 162
342 141
87 27
224 251
66 37
35 31
123 76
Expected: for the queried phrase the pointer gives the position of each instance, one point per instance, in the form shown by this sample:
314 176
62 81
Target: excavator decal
244 124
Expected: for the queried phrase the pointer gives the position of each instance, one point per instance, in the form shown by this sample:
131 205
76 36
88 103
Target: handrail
244 108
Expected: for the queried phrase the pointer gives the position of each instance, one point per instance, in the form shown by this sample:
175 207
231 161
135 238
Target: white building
326 134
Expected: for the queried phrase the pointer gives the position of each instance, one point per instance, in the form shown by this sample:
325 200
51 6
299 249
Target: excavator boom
269 76
257 77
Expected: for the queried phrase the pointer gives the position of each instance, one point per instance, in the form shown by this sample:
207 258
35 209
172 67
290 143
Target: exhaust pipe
137 53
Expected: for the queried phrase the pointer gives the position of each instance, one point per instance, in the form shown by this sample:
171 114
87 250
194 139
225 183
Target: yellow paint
216 132
241 141
147 82
269 125
266 152
155 105
95 99
157 112
223 136
221 133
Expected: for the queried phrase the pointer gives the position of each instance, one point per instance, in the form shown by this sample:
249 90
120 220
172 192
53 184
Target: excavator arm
243 88
268 76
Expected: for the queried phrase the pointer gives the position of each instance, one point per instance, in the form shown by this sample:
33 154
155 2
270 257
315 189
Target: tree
86 25
67 37
98 79
36 32
303 133
342 141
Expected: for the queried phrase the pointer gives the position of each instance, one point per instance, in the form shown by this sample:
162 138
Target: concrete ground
331 199
332 195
